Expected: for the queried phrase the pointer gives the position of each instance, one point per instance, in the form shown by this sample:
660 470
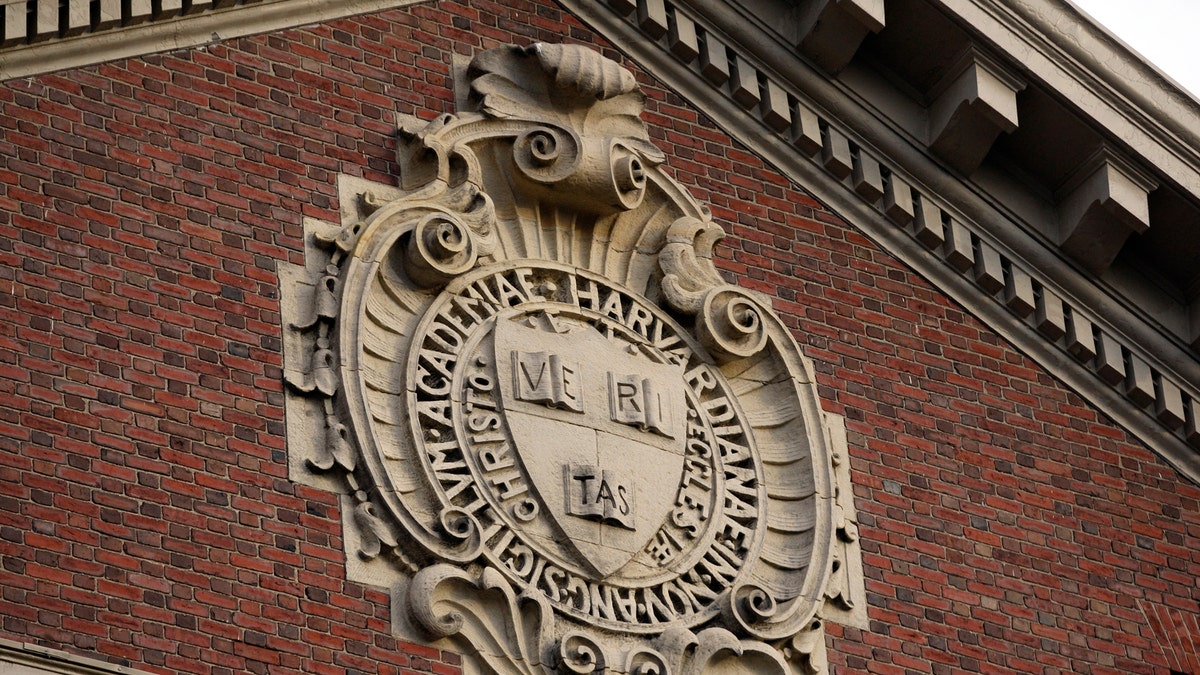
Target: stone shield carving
584 450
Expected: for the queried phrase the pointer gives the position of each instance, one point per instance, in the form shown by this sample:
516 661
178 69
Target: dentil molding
883 181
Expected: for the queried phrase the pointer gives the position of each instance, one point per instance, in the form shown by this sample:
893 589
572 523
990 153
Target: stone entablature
17 658
1088 265
563 438
41 36
973 246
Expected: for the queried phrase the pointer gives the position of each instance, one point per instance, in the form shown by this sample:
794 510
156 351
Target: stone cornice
1142 378
1083 63
27 657
177 32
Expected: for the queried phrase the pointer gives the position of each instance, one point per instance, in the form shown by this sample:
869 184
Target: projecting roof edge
178 32
1086 64
873 176
28 657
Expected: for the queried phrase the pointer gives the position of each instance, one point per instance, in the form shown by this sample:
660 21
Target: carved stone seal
585 450
600 452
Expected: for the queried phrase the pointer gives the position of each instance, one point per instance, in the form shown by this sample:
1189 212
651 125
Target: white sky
1163 31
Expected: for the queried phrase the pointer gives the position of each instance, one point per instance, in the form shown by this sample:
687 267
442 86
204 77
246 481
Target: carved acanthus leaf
373 533
718 649
807 650
686 261
484 615
337 449
567 84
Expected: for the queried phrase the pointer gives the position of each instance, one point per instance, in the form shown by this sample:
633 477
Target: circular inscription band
589 442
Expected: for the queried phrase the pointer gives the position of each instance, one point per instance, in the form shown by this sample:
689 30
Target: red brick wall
145 513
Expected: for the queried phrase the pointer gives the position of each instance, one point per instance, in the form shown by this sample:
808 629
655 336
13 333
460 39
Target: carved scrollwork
440 248
547 154
580 654
752 604
374 534
591 175
483 614
729 323
629 176
757 612
449 230
462 529
647 662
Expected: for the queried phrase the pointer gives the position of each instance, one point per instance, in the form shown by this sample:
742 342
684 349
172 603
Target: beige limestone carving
562 437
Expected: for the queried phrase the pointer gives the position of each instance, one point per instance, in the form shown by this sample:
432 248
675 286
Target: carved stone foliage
581 449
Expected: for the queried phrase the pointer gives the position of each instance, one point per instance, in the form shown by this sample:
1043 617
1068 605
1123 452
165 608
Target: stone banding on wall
17 658
39 36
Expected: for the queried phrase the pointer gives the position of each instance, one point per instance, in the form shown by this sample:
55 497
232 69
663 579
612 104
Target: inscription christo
492 450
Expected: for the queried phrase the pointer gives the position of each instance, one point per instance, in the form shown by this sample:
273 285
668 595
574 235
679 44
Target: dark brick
1007 527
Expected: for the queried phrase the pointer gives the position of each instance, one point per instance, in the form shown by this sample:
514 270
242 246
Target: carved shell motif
595 454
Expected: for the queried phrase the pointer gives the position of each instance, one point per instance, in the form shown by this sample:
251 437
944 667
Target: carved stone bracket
833 30
567 441
975 102
1104 202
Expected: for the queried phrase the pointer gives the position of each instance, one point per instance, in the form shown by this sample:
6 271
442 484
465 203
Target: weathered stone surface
550 467
898 200
1050 318
975 102
1105 202
868 181
832 30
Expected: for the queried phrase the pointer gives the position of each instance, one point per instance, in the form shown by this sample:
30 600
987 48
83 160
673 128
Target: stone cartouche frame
561 437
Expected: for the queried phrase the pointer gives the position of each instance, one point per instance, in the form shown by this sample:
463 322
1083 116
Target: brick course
145 513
